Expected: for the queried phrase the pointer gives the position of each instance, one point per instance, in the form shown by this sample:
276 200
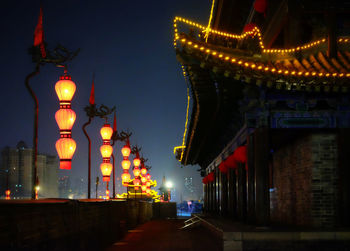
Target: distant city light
169 184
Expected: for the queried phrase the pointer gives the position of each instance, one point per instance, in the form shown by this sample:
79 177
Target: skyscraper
16 170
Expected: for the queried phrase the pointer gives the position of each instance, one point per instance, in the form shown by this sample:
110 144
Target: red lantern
148 183
143 179
7 193
65 119
106 169
148 190
223 168
136 172
136 184
65 148
143 188
126 151
107 194
106 151
65 89
106 132
148 176
125 178
137 162
143 171
126 164
249 27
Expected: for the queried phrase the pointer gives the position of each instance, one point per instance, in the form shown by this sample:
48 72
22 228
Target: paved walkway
164 235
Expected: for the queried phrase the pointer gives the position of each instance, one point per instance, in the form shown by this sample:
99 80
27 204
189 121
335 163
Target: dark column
344 177
233 192
241 193
250 180
261 160
217 190
224 194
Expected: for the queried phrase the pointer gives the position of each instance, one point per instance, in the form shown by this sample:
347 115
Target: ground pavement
164 235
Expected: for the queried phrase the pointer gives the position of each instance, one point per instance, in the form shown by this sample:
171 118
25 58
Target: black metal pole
35 134
113 175
89 158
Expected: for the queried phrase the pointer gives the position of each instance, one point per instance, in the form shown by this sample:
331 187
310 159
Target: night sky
128 44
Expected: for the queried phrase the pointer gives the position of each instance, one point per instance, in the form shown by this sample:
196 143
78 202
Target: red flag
39 34
115 124
92 94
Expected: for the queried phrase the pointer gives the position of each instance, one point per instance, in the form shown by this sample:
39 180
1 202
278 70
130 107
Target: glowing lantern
143 188
107 194
137 162
106 151
106 132
136 172
125 178
106 169
136 182
148 190
148 183
143 179
65 119
143 171
148 176
65 148
126 151
7 193
65 89
126 164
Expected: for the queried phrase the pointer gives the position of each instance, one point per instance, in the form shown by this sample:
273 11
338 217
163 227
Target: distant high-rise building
189 190
64 187
16 172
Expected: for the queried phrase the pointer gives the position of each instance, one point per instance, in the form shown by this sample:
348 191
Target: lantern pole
89 156
92 111
113 173
35 134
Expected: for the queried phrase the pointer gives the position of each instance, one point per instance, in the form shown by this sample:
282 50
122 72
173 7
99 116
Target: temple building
269 83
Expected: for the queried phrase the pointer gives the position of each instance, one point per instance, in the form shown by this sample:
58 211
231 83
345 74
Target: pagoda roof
238 60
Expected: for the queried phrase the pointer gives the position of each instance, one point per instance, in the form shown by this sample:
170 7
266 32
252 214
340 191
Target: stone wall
305 180
67 224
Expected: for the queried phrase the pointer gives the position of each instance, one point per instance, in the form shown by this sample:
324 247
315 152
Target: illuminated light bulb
106 151
214 53
313 73
266 68
143 171
220 56
341 74
189 42
143 188
65 119
126 164
307 73
286 72
126 151
106 169
293 72
253 66
125 178
106 132
183 40
240 62
148 183
246 64
137 162
136 172
65 88
207 50
348 74
320 74
143 179
273 70
227 58
279 71
334 74
299 73
202 48
259 67
233 60
65 148
327 74
195 46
